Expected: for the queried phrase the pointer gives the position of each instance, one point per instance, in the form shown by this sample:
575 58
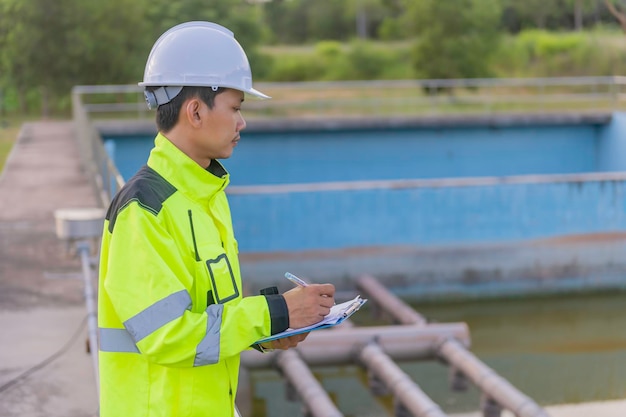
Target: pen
299 282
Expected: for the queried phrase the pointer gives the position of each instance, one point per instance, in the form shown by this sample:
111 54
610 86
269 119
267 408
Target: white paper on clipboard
338 313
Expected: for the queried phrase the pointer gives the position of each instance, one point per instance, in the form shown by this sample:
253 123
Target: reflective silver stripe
158 315
208 350
116 340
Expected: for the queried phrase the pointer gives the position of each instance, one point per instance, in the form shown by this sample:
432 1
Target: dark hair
167 114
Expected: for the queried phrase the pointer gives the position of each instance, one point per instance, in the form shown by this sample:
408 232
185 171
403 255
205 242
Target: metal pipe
456 354
403 388
83 249
495 386
310 391
328 347
401 312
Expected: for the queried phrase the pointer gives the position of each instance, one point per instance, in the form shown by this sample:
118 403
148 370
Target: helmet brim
256 93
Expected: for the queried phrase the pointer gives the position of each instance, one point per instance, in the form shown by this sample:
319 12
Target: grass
9 129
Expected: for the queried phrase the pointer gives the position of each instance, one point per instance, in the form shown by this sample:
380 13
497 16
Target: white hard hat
196 54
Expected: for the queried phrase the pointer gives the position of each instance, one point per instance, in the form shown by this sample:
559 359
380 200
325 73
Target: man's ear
192 111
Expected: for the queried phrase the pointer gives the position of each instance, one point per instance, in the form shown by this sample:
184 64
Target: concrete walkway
41 289
593 409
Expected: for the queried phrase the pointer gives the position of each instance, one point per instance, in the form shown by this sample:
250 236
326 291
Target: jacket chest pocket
215 279
222 277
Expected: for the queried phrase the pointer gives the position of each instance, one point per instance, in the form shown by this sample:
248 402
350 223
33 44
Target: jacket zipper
193 235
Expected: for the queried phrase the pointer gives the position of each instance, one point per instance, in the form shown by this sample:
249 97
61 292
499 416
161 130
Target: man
171 314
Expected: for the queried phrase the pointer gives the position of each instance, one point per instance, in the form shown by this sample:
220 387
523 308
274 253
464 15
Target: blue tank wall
305 157
426 215
542 203
612 144
375 154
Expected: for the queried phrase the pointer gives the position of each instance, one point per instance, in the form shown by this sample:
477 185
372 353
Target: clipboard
338 313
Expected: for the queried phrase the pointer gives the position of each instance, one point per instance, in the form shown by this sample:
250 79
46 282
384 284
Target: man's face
220 126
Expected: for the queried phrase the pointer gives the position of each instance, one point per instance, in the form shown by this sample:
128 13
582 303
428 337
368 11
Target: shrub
391 29
296 68
551 54
329 50
543 44
368 62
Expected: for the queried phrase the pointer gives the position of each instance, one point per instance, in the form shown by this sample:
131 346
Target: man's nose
242 123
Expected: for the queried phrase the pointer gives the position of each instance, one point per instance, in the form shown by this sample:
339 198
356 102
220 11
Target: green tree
242 17
46 47
367 15
455 39
535 13
111 40
299 21
30 51
617 10
288 20
580 8
549 14
326 19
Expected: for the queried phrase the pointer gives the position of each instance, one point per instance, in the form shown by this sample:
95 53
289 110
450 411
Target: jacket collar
184 173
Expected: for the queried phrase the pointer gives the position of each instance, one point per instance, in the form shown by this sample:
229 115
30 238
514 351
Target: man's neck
181 139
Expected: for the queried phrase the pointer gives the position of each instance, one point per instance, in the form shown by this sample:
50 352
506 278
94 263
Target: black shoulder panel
147 188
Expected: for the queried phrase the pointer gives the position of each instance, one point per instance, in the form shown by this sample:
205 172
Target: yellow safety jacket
171 316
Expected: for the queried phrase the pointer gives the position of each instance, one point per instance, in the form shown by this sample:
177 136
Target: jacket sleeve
149 286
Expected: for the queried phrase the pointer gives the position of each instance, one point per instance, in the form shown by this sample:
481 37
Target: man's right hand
308 305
